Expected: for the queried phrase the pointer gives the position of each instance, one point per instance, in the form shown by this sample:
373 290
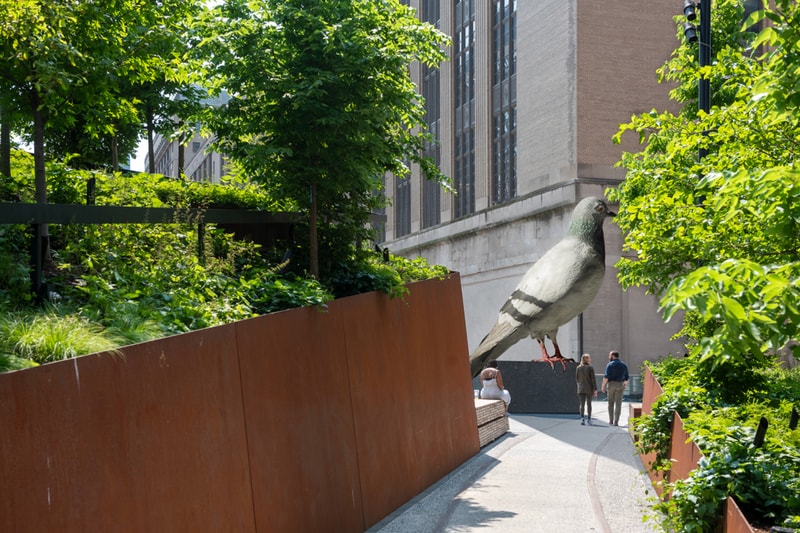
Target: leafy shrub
15 281
376 274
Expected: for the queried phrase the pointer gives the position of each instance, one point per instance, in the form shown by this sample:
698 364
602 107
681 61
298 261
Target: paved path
547 474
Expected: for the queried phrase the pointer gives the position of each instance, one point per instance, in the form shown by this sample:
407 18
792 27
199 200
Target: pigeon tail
493 345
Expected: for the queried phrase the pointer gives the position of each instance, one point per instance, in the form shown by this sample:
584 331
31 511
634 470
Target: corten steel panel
651 391
412 391
734 520
299 422
684 453
152 441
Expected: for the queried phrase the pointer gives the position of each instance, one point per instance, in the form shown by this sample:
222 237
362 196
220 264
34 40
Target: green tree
322 105
66 63
718 238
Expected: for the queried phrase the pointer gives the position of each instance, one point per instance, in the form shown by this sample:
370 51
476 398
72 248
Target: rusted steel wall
651 391
734 521
149 441
684 453
304 420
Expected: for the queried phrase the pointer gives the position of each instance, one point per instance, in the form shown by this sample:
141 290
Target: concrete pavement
547 474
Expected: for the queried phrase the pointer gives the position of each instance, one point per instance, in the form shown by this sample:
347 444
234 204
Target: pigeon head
587 221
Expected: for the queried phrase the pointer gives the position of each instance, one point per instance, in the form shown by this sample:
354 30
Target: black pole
38 247
201 243
704 92
703 85
761 432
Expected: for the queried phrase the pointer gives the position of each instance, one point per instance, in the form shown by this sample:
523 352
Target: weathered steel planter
685 456
303 420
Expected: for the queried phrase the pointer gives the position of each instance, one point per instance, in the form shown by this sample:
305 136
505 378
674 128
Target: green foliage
717 239
14 272
86 67
184 193
18 187
12 362
374 274
764 481
51 336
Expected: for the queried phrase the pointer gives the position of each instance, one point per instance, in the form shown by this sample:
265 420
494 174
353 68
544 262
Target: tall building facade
525 111
200 163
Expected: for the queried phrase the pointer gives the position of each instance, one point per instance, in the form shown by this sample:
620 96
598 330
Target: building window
464 142
402 204
431 191
504 101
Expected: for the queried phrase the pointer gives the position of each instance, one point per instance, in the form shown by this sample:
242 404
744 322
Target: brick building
525 111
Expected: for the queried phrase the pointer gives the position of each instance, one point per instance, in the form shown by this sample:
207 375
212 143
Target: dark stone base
537 388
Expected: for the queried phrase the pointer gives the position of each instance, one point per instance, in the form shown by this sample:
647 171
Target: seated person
492 382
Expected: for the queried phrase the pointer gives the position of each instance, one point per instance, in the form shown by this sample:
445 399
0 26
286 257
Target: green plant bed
112 285
764 480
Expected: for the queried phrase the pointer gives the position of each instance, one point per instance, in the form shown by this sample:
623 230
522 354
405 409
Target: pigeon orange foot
551 359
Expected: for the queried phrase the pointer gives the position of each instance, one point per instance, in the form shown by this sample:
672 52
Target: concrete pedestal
537 388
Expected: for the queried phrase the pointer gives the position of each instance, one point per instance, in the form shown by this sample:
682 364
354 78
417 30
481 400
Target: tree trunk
312 235
181 152
115 153
41 246
151 155
5 142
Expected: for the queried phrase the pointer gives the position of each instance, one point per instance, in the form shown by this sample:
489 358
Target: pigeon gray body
556 289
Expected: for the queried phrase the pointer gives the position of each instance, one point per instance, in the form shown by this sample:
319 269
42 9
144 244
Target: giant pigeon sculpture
556 289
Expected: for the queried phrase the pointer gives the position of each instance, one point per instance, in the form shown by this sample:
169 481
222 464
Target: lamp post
690 31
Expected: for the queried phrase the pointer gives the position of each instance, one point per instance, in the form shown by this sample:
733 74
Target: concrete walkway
547 474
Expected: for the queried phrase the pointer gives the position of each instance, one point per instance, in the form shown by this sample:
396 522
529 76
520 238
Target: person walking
492 381
615 379
587 387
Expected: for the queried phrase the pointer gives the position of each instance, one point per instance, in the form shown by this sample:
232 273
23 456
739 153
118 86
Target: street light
690 31
689 10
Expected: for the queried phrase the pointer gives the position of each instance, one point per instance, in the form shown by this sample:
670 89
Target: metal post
38 247
703 85
201 243
761 432
704 92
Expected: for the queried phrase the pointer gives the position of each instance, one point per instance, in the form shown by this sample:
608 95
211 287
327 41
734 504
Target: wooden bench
492 420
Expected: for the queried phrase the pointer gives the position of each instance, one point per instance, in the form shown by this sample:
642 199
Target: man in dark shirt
616 379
